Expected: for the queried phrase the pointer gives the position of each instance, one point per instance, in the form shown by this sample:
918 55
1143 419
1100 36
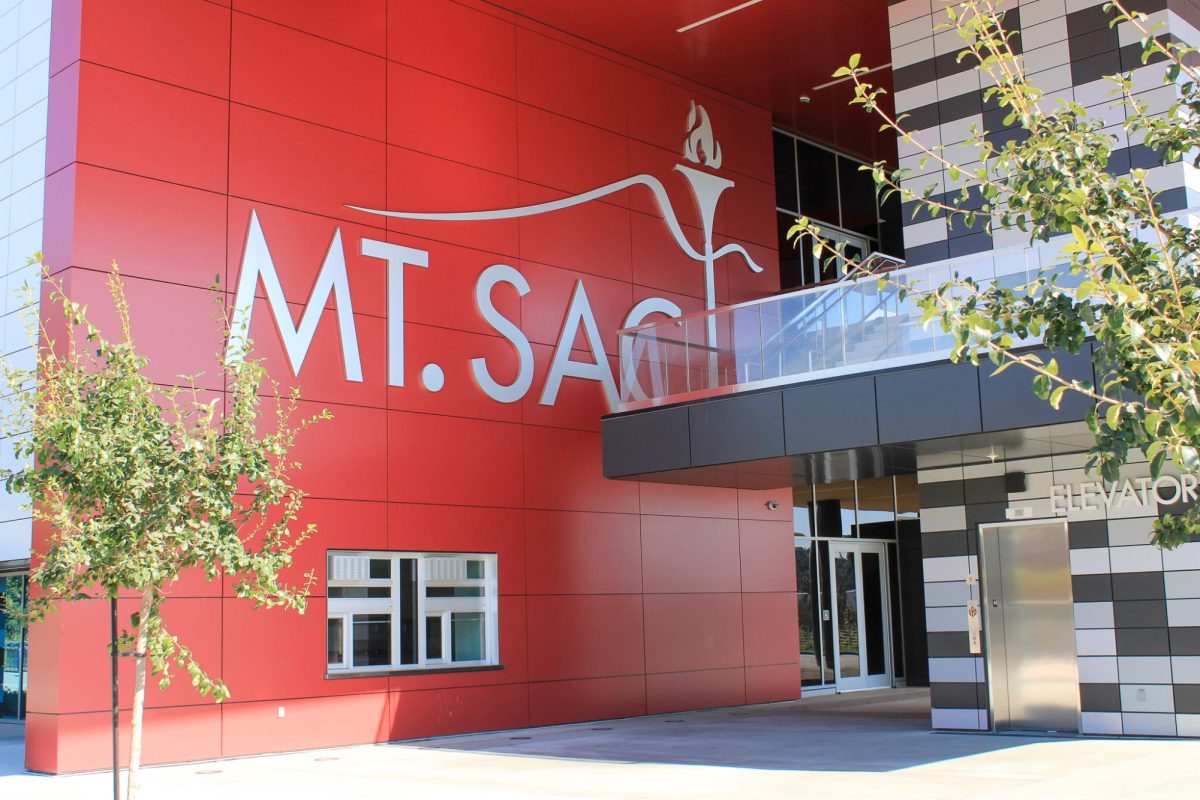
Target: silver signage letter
396 257
502 273
580 312
256 263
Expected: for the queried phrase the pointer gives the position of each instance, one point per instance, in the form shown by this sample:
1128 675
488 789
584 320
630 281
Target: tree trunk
139 697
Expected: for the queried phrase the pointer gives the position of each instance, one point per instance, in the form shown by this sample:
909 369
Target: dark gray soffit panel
830 416
928 403
737 429
648 442
1007 400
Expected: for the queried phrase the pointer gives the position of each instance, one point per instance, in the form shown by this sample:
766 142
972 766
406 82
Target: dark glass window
408 611
336 653
14 647
818 181
433 638
832 190
372 640
467 632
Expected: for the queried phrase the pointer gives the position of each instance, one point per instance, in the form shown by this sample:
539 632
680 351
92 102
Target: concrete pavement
849 746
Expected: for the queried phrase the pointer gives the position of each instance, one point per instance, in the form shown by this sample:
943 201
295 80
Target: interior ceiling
770 53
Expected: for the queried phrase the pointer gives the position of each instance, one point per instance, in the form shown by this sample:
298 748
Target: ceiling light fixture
716 16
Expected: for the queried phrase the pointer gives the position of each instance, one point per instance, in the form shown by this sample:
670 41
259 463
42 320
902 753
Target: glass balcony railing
841 328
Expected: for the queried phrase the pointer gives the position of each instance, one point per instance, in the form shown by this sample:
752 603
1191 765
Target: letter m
257 263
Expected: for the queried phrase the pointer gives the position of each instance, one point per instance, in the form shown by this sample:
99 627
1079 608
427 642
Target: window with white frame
396 611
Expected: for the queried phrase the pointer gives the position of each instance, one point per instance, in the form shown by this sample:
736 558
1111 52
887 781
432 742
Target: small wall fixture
772 505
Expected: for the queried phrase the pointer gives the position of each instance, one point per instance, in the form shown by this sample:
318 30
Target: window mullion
419 616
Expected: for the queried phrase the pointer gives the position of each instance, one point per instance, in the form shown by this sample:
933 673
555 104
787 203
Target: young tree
139 483
1128 276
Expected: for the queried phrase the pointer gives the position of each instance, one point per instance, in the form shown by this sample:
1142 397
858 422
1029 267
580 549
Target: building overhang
860 427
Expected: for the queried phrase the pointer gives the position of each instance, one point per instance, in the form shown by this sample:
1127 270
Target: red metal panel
292 73
442 117
452 460
562 472
180 136
307 722
135 220
184 42
687 691
594 698
668 499
561 153
300 165
357 23
441 712
772 684
576 552
566 79
690 554
598 242
772 634
767 556
693 632
446 38
77 742
542 310
585 636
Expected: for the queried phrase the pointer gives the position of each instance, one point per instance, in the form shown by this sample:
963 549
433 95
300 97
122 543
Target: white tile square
952 670
1183 584
1096 642
1126 532
1141 558
1186 556
1148 724
1097 669
1187 724
1185 669
946 593
1094 615
1144 669
1183 613
1100 723
1089 561
1146 697
946 618
957 719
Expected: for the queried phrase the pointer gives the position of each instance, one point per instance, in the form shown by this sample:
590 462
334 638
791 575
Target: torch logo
700 148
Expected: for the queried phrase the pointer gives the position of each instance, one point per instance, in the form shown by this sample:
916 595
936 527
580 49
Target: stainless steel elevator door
1033 680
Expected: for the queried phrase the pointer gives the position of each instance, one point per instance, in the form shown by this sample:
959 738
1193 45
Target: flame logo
700 147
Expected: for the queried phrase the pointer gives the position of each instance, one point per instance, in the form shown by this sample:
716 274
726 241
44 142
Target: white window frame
444 607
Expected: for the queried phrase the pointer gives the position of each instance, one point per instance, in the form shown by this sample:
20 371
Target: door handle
995 604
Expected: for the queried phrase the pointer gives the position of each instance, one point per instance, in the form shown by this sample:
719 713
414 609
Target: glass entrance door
858 582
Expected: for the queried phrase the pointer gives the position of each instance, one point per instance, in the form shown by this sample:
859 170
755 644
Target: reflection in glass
335 648
467 636
372 639
846 607
408 611
802 511
876 509
14 647
433 637
806 607
873 633
834 510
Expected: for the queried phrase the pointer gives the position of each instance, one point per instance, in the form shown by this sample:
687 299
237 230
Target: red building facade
173 125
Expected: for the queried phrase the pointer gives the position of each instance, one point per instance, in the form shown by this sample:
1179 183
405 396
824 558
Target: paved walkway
851 746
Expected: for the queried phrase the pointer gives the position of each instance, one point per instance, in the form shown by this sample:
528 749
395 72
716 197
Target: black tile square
1138 613
985 490
1138 586
946 543
1093 68
1099 697
1091 588
1187 698
983 513
941 494
1185 641
1142 642
948 644
1089 533
954 695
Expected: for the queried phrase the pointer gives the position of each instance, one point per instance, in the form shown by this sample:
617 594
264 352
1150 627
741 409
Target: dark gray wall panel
830 416
737 429
652 441
1008 401
928 403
